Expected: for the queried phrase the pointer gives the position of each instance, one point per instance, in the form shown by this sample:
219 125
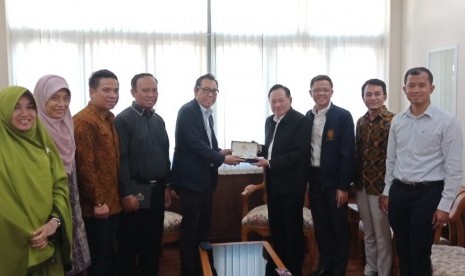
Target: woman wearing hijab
35 214
53 96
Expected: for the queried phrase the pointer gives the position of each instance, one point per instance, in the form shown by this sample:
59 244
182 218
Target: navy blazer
195 163
290 155
337 148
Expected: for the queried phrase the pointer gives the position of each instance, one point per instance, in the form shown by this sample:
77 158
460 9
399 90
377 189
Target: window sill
242 168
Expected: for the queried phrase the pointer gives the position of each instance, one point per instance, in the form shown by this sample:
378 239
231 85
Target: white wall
394 66
3 47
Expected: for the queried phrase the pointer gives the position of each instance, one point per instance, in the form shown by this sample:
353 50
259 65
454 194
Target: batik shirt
371 142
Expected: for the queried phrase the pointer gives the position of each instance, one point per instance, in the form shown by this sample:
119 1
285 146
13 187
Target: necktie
209 127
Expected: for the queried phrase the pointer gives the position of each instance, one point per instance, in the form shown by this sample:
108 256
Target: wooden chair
171 224
171 227
448 254
256 219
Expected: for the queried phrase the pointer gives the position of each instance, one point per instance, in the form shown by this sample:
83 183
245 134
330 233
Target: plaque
245 150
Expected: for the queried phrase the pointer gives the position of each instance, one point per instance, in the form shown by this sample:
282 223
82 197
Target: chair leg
312 250
245 234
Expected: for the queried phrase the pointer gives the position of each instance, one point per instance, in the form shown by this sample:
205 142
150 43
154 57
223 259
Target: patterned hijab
33 187
61 130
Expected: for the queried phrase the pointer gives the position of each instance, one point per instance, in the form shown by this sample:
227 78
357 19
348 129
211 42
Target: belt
151 182
418 185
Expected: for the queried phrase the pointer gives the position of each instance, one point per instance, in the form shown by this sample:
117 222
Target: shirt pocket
428 143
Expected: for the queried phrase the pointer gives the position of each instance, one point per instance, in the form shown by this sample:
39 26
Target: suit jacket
337 148
195 163
290 154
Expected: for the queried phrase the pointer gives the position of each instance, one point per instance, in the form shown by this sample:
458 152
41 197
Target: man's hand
232 160
102 211
439 218
261 162
226 152
383 203
130 204
341 197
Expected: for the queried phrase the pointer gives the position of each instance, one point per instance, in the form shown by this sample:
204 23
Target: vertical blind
249 45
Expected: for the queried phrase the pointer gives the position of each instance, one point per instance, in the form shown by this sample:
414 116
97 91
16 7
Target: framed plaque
245 150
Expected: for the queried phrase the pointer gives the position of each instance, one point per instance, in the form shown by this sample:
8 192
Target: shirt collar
141 110
104 114
428 112
278 119
321 112
206 111
383 114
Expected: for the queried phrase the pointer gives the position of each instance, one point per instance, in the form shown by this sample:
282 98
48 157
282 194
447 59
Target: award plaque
245 150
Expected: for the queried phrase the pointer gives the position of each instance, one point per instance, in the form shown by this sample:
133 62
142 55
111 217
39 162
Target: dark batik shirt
370 151
144 147
97 159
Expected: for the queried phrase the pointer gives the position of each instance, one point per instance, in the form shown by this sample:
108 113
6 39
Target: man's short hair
137 77
94 79
320 78
280 86
415 71
198 82
376 82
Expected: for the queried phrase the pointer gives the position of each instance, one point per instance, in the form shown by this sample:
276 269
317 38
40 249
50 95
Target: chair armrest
248 191
437 235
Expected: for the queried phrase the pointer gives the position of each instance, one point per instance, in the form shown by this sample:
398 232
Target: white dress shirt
317 134
206 115
426 148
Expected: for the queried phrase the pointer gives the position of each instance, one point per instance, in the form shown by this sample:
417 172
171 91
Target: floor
169 263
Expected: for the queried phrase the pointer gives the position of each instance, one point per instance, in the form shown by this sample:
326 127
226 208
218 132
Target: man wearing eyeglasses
330 175
195 169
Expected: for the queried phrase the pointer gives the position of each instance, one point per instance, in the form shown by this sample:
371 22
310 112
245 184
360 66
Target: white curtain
249 45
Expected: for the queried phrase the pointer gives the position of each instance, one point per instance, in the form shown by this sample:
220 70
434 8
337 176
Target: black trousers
410 215
196 218
331 226
101 236
285 217
139 237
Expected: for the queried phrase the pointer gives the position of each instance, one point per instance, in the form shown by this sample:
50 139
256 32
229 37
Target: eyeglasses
320 91
208 91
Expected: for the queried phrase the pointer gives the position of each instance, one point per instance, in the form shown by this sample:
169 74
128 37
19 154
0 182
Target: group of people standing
74 187
406 170
85 195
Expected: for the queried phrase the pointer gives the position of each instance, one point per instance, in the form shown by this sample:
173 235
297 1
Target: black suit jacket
195 163
290 154
337 148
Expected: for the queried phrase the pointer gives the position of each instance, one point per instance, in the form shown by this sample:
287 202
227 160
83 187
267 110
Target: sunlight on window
252 46
242 102
351 67
311 17
110 15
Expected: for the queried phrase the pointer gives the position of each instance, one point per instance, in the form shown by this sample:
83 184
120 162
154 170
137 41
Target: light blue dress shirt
426 148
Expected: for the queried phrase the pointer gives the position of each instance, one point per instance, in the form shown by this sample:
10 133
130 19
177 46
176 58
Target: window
248 45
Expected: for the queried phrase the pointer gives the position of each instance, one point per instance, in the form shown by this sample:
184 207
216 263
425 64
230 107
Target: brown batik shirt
97 159
371 141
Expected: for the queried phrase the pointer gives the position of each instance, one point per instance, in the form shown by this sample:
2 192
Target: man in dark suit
286 158
195 170
330 175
